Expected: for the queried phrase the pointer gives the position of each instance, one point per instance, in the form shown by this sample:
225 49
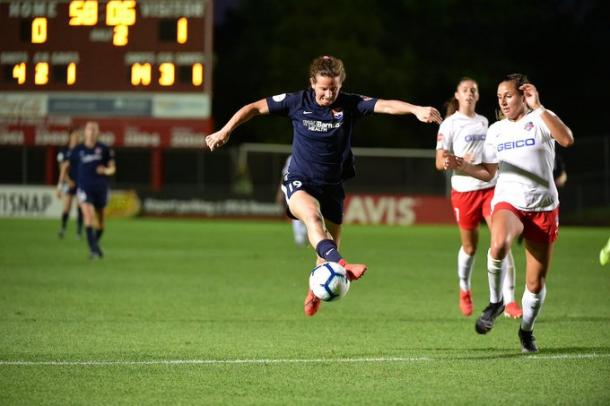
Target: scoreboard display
107 46
141 68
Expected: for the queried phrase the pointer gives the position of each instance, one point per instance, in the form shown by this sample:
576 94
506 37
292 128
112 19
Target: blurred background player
521 148
299 230
462 133
66 184
322 117
95 162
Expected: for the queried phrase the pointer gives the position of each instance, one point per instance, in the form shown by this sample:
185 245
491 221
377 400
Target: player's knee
469 249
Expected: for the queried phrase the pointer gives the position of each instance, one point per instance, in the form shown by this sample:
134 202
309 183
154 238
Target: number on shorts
295 184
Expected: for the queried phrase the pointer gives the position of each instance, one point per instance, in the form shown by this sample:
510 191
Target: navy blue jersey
64 156
87 160
322 136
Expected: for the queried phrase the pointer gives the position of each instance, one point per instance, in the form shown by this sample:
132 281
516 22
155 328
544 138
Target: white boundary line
290 361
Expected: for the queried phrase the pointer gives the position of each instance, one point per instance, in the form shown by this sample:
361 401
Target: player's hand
532 98
101 170
451 161
428 115
216 140
59 192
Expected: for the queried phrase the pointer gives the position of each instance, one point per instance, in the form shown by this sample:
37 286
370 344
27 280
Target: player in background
322 117
95 162
604 254
462 133
521 149
66 184
299 230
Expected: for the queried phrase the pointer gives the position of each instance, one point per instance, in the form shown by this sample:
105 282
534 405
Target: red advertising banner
115 132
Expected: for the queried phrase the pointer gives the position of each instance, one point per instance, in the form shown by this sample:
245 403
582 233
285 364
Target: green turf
204 292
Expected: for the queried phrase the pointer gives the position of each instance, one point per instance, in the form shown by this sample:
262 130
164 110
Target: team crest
98 151
528 126
337 113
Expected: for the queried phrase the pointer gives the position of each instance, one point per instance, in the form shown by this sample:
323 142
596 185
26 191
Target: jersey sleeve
444 136
490 155
282 104
365 105
546 132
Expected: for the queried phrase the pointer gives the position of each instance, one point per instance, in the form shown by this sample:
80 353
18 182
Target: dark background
415 51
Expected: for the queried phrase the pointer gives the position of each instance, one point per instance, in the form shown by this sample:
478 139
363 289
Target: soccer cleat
513 310
60 234
93 256
486 320
354 271
312 304
604 254
528 341
465 302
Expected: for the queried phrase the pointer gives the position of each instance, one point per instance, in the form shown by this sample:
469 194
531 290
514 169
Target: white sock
532 304
465 264
508 288
495 277
300 232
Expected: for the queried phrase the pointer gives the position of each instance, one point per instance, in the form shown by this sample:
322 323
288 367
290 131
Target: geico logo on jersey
528 142
476 137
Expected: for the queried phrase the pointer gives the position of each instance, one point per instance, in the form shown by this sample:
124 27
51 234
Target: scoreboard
139 66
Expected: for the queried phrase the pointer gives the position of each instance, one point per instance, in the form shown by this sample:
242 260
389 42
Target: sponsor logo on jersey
475 138
320 126
528 142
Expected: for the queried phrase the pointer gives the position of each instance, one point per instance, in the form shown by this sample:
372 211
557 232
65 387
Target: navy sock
79 221
91 240
98 233
327 249
64 220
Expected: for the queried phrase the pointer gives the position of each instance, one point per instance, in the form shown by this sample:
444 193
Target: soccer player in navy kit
66 184
323 118
95 162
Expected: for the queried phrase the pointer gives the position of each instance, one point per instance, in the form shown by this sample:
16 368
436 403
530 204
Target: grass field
196 312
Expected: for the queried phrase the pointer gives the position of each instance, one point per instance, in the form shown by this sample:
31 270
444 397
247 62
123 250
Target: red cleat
465 302
513 310
312 304
354 271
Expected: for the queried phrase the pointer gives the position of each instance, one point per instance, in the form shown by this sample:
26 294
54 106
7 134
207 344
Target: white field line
290 360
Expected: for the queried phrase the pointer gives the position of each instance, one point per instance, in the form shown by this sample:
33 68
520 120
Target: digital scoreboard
113 45
141 68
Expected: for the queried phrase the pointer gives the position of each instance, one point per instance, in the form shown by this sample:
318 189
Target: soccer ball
329 281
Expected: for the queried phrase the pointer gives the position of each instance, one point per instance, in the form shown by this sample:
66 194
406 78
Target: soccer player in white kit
521 148
462 133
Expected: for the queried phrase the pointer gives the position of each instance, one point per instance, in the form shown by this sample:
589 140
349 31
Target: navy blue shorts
98 197
330 197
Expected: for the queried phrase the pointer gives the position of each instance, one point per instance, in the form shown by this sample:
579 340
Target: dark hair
327 66
518 79
452 105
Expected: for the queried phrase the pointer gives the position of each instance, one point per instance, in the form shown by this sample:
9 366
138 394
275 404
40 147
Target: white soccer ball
329 281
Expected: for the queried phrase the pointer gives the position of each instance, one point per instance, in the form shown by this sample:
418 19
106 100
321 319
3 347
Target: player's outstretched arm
396 107
219 138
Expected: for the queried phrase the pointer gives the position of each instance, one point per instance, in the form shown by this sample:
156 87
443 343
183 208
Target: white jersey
524 151
464 136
